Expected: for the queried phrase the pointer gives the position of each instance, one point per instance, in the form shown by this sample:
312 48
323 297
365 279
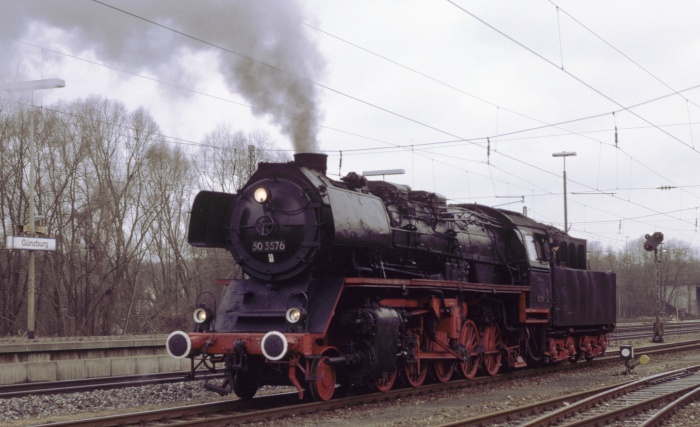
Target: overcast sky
470 98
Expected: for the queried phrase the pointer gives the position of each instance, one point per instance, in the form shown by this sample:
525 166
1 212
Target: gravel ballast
434 409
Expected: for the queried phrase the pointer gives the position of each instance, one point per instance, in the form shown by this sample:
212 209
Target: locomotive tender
359 282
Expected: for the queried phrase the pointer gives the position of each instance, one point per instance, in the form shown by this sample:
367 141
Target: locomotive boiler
368 283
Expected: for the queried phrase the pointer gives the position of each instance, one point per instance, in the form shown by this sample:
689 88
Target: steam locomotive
368 283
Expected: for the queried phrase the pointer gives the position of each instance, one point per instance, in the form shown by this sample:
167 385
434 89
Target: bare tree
167 290
116 197
95 180
14 132
228 158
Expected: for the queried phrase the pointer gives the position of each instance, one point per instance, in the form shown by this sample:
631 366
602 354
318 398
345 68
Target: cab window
536 248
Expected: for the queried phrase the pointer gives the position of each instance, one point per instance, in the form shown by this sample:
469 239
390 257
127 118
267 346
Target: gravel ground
42 409
431 410
442 408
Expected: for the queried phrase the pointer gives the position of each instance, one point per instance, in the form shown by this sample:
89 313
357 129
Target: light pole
564 155
32 85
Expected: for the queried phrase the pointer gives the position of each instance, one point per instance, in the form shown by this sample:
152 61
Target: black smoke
261 47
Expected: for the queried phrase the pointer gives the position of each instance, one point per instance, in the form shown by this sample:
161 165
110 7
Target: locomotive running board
532 316
369 282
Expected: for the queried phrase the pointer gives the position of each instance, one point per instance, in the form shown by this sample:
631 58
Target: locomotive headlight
295 314
202 315
261 195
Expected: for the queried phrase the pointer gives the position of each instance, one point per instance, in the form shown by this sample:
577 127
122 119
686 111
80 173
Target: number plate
269 246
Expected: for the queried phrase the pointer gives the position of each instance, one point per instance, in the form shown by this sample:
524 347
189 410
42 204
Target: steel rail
519 415
283 405
641 395
669 410
99 383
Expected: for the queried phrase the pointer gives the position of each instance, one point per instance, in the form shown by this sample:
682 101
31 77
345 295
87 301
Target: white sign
31 243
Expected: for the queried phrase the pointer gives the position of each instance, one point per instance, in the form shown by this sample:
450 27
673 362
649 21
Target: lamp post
32 85
564 155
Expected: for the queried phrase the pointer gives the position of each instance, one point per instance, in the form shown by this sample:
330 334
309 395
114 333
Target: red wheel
322 379
386 382
469 340
492 354
415 373
574 355
414 370
603 343
587 346
443 370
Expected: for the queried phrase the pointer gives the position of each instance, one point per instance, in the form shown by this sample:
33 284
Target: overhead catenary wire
195 143
627 57
573 76
472 140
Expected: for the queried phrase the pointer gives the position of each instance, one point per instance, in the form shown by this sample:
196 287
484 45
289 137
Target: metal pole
31 229
658 326
564 155
662 284
566 216
251 160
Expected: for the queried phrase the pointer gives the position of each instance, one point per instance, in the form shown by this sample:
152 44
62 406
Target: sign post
31 244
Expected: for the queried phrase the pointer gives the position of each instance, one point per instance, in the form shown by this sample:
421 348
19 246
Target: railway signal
653 241
627 354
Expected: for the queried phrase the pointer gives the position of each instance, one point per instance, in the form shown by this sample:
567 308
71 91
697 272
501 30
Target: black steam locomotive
359 282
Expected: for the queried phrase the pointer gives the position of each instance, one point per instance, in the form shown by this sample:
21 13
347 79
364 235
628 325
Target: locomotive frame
361 283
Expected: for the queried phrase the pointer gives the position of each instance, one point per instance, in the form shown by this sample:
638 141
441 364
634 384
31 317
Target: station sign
31 243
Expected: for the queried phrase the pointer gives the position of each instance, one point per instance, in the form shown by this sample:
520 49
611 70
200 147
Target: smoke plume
261 45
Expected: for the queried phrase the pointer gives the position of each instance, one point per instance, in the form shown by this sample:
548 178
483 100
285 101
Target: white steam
262 48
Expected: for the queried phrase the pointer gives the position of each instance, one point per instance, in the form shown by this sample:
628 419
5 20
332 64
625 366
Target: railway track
645 402
632 404
623 332
104 383
278 406
641 331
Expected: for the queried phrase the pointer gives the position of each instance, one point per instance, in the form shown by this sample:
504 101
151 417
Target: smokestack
315 161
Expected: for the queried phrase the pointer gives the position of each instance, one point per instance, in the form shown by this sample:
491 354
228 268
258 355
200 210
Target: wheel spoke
415 373
387 381
322 383
469 339
492 354
443 370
